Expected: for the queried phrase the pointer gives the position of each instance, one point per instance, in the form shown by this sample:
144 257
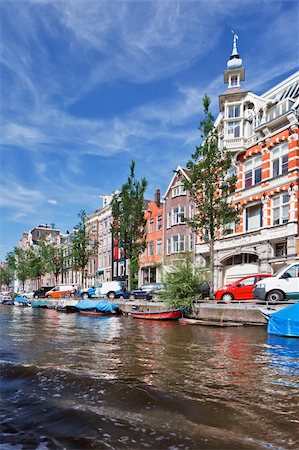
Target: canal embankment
246 312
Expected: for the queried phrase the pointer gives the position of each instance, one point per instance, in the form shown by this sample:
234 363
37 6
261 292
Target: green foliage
19 263
182 283
50 259
83 245
128 213
210 185
5 276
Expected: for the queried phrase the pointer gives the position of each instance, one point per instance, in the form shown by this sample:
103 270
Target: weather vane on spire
235 50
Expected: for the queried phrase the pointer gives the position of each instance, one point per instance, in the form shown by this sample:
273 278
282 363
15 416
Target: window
159 223
151 225
280 160
281 249
168 247
37 233
168 220
253 171
191 245
191 211
178 215
233 129
229 228
159 247
234 111
248 281
293 272
178 243
178 190
253 217
150 248
280 205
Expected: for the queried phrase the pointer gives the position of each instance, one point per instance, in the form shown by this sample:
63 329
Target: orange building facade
262 134
151 259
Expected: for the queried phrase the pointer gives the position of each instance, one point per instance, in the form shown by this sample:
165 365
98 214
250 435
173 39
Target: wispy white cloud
52 201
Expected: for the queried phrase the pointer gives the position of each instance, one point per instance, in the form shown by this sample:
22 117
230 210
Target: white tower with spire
235 73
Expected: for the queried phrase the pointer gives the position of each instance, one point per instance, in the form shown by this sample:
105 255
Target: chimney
157 197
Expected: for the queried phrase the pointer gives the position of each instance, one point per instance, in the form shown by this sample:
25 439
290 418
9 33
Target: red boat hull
161 315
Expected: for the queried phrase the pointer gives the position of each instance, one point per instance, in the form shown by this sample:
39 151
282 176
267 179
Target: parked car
27 294
110 289
146 292
241 289
41 292
88 292
284 285
61 291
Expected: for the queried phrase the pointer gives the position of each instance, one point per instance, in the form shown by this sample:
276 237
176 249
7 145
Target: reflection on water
71 381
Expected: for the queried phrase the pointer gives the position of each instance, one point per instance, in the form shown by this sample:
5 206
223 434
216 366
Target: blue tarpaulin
98 305
21 300
285 322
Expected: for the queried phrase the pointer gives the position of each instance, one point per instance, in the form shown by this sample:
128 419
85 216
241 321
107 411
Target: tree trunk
128 261
212 267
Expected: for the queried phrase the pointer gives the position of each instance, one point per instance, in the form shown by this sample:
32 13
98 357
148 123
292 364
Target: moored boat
21 301
97 308
173 314
285 322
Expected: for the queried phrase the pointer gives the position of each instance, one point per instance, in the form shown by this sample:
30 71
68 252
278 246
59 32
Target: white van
110 289
284 285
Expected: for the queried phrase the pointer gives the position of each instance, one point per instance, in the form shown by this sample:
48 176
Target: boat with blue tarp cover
97 308
285 322
21 301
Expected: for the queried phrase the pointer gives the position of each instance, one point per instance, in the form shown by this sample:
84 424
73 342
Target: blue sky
88 86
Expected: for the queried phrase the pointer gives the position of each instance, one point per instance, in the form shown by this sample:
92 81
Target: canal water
76 382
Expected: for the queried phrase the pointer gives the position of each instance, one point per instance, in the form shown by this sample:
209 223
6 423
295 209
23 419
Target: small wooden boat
173 314
94 313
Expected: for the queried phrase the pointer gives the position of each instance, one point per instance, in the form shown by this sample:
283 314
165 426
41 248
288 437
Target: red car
241 289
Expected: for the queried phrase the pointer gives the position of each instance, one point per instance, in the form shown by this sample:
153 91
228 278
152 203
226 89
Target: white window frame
252 166
168 220
232 126
159 224
280 204
168 247
150 248
278 153
159 247
151 224
178 215
234 111
260 218
178 243
178 190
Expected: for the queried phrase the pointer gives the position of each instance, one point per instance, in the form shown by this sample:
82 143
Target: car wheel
85 295
35 296
227 298
49 297
111 294
275 296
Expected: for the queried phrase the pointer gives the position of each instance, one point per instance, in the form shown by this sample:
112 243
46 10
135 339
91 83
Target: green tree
83 246
210 186
5 276
19 263
129 223
183 283
51 259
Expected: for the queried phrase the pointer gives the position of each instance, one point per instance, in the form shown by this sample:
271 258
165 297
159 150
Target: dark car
145 292
41 292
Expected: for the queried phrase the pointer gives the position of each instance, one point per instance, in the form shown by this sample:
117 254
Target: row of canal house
261 132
